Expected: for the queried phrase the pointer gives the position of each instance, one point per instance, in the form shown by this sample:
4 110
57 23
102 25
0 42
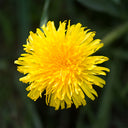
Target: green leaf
115 34
107 6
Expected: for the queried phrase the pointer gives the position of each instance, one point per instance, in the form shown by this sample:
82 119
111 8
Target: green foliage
109 18
107 6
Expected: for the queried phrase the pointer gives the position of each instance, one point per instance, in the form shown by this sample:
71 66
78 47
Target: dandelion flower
59 62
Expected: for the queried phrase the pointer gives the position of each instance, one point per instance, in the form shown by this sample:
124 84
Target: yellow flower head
60 63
